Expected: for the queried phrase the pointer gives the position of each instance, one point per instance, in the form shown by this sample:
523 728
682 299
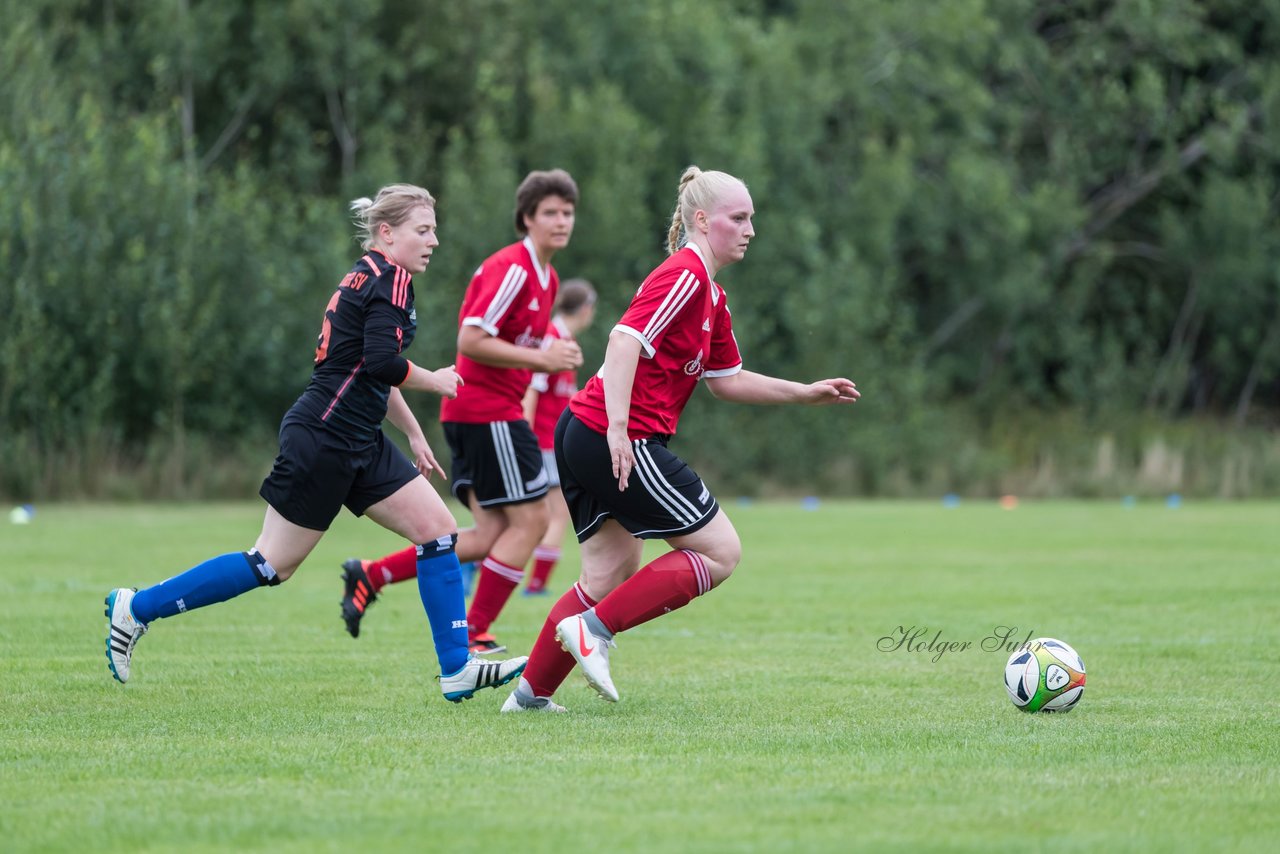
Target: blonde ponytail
674 241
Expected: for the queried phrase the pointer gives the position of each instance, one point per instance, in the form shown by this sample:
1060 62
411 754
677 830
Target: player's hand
447 381
423 460
831 391
622 454
560 356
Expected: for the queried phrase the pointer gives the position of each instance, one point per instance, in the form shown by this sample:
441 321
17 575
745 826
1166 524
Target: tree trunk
1176 341
342 130
1255 371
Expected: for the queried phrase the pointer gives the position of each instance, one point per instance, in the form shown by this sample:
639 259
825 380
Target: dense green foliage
990 214
260 725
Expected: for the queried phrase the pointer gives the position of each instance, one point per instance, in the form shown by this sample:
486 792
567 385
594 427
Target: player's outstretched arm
750 387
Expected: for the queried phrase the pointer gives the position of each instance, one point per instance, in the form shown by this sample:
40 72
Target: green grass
762 718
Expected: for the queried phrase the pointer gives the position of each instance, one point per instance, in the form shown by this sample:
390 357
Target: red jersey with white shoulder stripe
681 318
554 391
509 297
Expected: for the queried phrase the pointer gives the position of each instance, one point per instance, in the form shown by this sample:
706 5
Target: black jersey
369 320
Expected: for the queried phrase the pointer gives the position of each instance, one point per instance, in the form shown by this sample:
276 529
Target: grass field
762 718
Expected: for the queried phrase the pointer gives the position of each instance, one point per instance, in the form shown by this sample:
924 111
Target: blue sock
440 586
216 580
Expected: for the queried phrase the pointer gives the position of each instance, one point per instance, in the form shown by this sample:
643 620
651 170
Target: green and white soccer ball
1045 675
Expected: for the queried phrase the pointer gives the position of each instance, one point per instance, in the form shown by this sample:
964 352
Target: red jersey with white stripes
682 321
554 391
370 319
509 297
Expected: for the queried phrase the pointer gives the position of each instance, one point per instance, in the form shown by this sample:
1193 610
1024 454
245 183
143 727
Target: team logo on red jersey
528 339
693 367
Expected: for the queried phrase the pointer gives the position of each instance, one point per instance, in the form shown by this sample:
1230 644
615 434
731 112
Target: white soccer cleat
478 673
123 631
591 653
549 705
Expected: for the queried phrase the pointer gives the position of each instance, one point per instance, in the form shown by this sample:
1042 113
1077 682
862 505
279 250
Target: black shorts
664 497
499 463
317 472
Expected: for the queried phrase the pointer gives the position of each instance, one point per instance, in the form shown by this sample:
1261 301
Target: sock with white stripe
440 586
493 589
216 580
670 582
544 563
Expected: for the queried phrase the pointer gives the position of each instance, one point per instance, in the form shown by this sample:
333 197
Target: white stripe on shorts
506 453
658 486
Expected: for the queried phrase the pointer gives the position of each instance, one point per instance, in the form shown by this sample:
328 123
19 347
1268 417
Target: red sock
668 583
544 561
493 589
548 663
400 566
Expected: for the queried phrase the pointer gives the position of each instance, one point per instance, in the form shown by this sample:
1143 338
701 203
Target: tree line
1025 228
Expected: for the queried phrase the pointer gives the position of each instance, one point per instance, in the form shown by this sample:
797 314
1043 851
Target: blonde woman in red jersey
621 482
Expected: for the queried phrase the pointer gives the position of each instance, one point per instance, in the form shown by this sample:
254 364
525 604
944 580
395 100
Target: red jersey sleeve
725 358
493 292
658 302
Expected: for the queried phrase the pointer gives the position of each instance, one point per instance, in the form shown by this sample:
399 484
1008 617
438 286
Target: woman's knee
532 516
284 573
431 520
283 562
723 566
722 557
599 583
609 558
432 527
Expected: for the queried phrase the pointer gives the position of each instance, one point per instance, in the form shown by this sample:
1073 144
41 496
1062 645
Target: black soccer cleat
357 594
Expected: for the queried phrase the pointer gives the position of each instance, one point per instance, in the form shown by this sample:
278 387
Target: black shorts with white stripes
664 497
499 463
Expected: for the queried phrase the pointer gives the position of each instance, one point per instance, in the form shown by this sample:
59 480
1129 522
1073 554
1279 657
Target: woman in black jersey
333 452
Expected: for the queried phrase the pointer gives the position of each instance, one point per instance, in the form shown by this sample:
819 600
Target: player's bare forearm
480 346
399 414
750 387
443 382
621 357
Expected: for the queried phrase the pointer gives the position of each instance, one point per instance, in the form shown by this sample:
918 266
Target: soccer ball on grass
1044 675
